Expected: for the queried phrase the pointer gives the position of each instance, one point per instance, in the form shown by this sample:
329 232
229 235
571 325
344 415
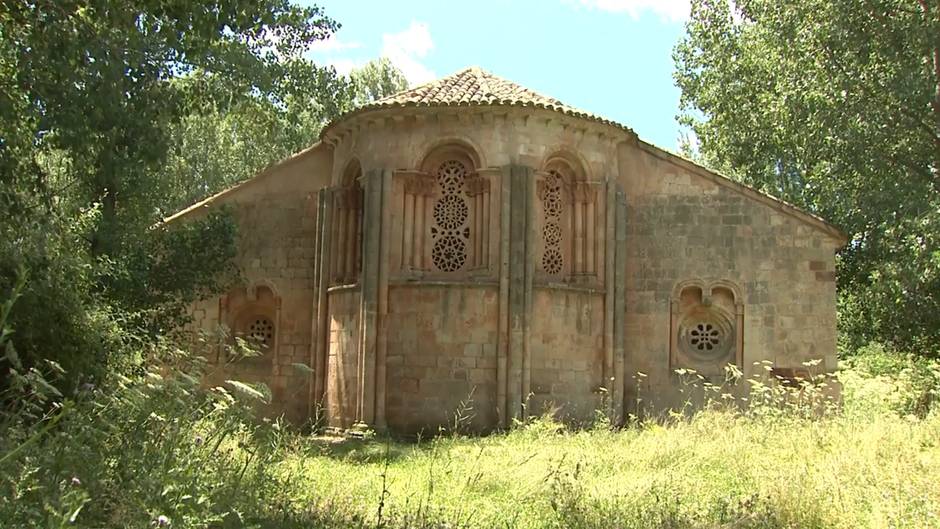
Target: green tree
834 106
91 92
225 144
94 80
375 80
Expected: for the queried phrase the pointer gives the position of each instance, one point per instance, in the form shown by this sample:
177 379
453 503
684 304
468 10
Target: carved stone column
347 239
584 196
418 191
614 298
322 277
478 190
619 279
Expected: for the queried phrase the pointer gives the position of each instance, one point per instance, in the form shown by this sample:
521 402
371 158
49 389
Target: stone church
472 245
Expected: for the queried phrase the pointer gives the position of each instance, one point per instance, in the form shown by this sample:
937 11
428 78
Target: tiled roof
475 87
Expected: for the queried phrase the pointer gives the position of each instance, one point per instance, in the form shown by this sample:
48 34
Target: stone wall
501 331
567 353
441 356
342 365
685 225
276 216
500 137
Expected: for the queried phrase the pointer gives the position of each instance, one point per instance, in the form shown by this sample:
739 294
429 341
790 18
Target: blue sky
610 57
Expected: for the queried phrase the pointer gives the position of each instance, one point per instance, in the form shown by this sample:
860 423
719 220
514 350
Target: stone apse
470 246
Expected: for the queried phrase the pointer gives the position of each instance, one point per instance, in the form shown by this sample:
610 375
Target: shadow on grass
363 451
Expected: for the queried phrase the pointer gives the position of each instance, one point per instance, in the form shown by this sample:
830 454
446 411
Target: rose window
450 212
704 337
449 253
261 331
552 261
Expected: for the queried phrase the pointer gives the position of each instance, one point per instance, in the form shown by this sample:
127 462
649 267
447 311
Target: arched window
568 248
252 315
554 192
450 229
706 327
347 225
445 213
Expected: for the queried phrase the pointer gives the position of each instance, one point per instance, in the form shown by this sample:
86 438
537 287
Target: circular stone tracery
450 213
449 253
706 334
552 234
451 176
553 261
261 331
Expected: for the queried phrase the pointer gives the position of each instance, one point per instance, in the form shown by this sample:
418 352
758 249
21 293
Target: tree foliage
833 106
92 96
375 80
93 80
224 144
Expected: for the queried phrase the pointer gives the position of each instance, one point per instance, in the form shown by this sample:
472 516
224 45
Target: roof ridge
484 80
398 95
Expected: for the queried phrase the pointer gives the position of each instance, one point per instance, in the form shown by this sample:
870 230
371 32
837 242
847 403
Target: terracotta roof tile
475 87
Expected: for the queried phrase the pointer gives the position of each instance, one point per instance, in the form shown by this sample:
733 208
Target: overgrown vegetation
114 115
156 449
716 469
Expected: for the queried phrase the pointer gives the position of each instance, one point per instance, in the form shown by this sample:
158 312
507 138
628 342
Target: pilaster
369 296
520 286
619 280
502 337
320 331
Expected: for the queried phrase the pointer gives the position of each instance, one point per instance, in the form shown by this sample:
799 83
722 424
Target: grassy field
715 470
869 464
161 451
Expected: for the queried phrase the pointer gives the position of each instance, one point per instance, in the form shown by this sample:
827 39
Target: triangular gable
784 207
272 171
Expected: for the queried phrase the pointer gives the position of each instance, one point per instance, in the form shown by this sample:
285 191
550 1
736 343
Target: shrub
880 379
155 449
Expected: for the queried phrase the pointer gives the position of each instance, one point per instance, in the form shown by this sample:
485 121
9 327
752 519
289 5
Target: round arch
567 157
351 173
439 149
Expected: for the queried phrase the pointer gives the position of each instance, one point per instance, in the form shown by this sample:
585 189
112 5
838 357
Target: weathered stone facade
470 245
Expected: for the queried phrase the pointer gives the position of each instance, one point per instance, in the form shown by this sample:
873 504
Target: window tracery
553 261
706 325
261 332
347 241
444 213
570 216
706 334
450 231
252 314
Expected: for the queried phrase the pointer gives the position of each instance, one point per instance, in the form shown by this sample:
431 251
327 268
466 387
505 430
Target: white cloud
333 45
672 10
406 48
344 66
